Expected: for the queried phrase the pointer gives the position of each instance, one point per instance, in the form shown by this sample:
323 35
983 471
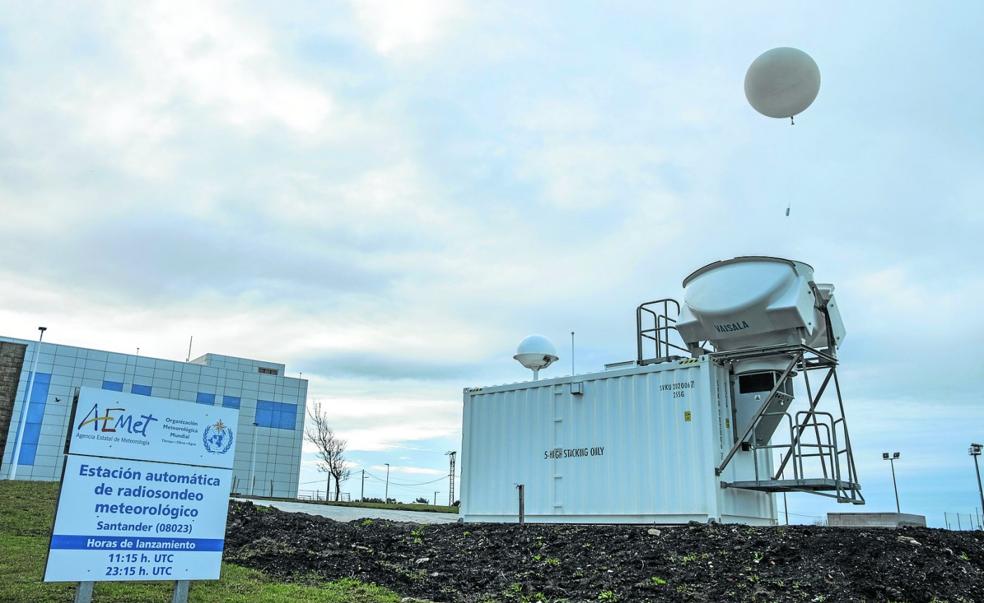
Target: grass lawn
27 510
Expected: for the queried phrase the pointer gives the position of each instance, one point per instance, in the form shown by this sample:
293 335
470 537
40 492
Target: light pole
975 451
386 497
435 497
891 458
451 454
252 463
15 459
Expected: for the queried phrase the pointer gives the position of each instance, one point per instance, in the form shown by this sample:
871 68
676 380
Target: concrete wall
11 363
875 520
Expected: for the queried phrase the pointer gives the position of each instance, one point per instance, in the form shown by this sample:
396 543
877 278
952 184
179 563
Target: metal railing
654 325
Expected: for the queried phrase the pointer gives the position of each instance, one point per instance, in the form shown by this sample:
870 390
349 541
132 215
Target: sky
388 196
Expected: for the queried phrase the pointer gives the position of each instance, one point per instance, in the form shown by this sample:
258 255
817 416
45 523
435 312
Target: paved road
339 513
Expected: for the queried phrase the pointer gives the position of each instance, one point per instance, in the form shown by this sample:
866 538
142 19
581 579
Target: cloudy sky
388 196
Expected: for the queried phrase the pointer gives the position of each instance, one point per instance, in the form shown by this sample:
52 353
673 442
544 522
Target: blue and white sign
145 428
145 492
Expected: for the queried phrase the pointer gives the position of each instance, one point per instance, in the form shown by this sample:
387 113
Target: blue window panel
35 411
205 398
39 392
27 454
143 390
288 416
35 416
113 386
32 434
277 415
231 401
43 379
264 413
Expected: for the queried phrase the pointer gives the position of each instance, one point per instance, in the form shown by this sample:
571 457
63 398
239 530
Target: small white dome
536 352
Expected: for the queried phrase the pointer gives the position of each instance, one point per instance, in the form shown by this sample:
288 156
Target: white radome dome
536 352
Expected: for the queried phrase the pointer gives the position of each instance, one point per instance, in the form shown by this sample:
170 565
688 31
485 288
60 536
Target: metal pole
451 457
386 496
572 353
362 494
180 591
252 464
895 485
22 423
522 503
785 502
83 592
980 489
435 498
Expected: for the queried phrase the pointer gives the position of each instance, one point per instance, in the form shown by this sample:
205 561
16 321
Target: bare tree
331 448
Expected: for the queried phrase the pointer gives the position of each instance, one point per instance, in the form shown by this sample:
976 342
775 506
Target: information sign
145 491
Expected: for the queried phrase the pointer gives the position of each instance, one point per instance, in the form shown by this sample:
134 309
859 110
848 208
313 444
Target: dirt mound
487 562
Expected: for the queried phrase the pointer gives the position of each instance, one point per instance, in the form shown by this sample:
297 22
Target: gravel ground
340 513
488 562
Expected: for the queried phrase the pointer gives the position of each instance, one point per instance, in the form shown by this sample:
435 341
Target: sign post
144 493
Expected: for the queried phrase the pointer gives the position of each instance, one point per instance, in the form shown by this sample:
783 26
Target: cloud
376 365
406 27
410 470
214 58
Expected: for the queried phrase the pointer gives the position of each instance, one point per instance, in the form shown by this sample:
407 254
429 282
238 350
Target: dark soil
489 562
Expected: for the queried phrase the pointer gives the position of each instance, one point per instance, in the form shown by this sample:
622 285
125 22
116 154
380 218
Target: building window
204 398
267 371
35 416
230 401
113 386
276 415
143 390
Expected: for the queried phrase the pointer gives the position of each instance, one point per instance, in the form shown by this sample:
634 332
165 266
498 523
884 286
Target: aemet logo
116 419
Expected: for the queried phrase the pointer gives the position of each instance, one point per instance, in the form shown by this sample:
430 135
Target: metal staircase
817 451
815 448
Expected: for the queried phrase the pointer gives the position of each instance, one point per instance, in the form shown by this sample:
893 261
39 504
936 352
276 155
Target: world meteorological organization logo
217 437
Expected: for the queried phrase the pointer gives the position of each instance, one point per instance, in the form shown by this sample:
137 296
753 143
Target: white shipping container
638 445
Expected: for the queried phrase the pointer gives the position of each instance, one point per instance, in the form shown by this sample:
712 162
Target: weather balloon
782 82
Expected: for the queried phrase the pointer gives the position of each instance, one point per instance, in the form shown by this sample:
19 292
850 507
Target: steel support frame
803 359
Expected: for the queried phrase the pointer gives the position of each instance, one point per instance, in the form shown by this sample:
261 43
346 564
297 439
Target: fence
962 521
319 495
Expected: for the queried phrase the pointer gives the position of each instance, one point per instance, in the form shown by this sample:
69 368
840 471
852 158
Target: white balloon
782 82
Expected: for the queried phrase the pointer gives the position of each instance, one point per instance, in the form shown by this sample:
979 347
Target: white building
271 406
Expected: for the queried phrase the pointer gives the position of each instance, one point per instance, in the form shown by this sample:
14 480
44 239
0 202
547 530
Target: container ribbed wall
639 445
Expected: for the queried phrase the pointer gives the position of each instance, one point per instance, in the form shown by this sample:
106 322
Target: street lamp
975 451
18 442
386 497
892 458
252 463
